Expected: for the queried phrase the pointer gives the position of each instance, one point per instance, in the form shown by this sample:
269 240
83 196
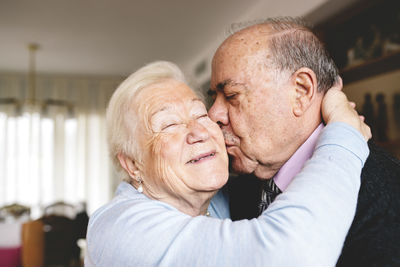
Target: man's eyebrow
220 87
211 92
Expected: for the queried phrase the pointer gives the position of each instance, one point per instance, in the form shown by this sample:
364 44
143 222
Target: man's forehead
238 54
237 67
247 37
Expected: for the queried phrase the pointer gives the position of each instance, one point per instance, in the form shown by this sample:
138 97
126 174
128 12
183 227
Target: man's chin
262 173
242 165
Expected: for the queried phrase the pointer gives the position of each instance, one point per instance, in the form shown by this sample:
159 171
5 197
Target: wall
388 84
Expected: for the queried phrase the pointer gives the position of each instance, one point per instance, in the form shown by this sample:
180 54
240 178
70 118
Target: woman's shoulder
127 203
129 218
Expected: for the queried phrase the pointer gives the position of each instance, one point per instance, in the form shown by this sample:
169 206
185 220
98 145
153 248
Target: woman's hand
336 107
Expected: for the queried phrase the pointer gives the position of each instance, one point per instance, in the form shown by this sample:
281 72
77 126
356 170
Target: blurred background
61 60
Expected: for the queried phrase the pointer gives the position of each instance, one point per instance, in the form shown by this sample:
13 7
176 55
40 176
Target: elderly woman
172 159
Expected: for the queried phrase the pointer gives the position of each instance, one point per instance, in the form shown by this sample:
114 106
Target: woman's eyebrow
169 107
197 99
166 108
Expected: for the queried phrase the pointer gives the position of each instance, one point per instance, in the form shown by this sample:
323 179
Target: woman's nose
197 133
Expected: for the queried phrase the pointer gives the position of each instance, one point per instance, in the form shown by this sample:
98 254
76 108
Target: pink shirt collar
294 165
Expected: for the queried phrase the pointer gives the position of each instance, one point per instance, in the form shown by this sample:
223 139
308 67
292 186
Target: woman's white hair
121 118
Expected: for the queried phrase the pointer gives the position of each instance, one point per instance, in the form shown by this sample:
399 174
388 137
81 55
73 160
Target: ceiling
115 37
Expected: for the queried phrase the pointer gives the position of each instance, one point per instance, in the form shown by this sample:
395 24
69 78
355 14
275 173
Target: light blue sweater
305 226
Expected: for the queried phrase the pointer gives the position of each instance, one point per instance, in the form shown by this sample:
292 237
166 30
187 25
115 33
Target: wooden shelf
370 68
364 28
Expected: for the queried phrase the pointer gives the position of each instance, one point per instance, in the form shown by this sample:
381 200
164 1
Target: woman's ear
305 88
127 164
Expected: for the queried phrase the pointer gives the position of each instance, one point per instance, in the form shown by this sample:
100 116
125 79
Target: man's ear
127 164
305 88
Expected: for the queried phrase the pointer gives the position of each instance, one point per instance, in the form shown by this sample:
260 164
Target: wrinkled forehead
241 57
163 95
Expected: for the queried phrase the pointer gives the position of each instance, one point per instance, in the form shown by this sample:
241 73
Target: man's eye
230 96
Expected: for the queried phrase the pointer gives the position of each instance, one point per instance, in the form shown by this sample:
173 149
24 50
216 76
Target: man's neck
296 162
266 171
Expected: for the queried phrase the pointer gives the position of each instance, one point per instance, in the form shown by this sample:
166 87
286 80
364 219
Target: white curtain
52 152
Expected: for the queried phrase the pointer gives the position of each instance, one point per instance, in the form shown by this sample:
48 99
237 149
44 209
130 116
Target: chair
33 244
14 212
60 234
61 208
10 244
11 219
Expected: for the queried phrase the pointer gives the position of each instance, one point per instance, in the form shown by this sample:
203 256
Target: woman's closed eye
169 126
202 116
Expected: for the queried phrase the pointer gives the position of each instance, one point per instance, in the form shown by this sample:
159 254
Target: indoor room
61 62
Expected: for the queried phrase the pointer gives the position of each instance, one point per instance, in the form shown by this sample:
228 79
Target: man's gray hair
120 117
293 45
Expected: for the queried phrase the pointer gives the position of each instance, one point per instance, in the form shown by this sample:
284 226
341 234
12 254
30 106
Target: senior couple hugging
279 114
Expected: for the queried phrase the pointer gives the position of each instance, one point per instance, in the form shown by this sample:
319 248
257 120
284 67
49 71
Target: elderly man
268 81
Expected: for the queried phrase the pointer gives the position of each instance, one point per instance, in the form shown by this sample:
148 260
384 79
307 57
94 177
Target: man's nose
219 111
197 133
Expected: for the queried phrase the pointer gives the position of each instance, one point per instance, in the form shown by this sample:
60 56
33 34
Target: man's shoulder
380 176
374 237
380 161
